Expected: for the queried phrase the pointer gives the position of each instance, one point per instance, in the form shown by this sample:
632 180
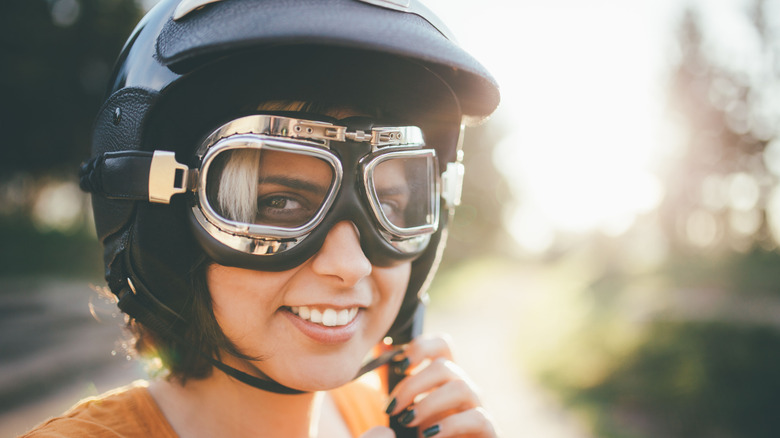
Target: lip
320 333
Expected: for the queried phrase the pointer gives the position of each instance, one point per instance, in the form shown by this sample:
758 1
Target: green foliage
753 273
26 251
692 379
690 349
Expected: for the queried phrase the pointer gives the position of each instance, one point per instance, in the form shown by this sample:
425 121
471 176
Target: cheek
240 304
226 296
391 285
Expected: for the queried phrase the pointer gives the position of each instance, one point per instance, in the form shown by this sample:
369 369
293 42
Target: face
311 326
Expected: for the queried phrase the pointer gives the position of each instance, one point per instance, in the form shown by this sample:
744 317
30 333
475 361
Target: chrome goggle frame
314 138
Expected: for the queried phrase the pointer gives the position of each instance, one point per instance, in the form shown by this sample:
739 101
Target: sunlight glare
583 95
702 228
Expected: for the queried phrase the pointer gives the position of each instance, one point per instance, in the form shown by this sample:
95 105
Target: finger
451 398
379 432
426 347
436 374
473 423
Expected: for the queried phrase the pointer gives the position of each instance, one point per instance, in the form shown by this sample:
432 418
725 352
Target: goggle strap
136 176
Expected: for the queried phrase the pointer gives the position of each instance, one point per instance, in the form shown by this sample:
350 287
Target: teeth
327 317
343 317
316 316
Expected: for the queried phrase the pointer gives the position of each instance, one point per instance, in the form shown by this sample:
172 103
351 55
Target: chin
319 382
319 375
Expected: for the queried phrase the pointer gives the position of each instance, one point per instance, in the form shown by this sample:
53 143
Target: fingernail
401 366
406 417
431 431
391 406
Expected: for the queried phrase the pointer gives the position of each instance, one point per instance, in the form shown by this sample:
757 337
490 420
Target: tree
723 183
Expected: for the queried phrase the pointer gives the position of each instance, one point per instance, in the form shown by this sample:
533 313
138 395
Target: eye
389 208
393 211
283 210
280 202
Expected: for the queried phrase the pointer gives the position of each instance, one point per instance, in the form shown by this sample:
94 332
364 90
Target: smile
327 317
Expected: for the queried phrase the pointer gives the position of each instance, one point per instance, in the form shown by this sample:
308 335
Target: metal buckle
389 136
396 136
359 136
317 130
132 286
167 177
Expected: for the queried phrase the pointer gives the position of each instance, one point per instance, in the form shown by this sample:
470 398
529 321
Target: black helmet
192 74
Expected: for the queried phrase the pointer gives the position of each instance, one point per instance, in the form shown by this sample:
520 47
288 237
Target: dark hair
202 335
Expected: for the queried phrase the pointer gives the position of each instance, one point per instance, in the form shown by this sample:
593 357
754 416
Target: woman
272 183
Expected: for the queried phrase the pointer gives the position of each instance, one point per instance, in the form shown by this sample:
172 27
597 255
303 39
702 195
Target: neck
221 406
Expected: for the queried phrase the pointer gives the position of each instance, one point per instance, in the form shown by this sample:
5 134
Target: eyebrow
295 183
393 190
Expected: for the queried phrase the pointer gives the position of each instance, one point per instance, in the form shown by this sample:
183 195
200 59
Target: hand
436 396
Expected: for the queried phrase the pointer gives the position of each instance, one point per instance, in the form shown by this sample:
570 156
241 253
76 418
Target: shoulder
361 404
125 412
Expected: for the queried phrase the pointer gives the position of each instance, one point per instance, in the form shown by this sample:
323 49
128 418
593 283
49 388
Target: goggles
267 189
266 184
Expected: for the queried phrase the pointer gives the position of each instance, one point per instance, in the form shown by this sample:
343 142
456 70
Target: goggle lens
403 187
271 188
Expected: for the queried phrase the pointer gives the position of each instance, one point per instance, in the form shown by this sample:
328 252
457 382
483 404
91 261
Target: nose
341 259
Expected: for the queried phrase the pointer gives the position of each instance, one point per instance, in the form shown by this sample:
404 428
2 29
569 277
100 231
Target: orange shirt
130 412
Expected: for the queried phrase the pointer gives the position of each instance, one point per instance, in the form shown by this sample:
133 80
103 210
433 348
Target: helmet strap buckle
167 177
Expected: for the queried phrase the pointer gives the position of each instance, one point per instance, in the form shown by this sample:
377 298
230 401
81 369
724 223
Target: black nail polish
406 417
401 366
391 406
431 431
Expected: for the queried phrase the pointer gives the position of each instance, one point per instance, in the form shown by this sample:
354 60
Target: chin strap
132 305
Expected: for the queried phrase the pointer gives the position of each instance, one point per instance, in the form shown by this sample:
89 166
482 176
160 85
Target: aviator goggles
268 188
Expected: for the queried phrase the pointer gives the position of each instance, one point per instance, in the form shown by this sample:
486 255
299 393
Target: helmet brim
224 28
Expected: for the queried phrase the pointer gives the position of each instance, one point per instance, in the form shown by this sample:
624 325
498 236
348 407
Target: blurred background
613 270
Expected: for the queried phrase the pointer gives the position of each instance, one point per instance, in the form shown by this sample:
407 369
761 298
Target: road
54 351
